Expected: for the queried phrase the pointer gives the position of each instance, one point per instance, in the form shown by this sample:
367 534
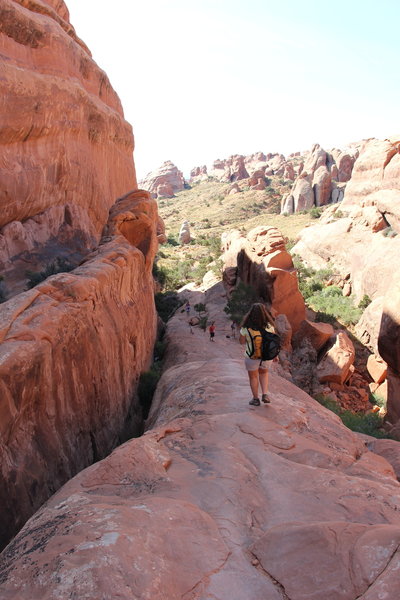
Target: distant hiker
255 322
211 329
187 307
233 329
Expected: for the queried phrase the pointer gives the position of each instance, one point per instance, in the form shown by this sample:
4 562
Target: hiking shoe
254 402
265 399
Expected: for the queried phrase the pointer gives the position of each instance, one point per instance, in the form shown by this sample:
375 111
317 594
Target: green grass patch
368 423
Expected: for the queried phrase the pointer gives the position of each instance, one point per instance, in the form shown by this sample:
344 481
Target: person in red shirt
211 329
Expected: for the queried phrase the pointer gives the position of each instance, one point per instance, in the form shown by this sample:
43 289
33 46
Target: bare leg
263 380
253 379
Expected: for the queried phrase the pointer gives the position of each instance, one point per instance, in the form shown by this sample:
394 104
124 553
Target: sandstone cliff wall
261 260
71 352
219 499
64 142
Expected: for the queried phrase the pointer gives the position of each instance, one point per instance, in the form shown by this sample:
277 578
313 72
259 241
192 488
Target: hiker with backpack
262 345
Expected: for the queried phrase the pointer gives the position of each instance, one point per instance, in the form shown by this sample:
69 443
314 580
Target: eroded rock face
261 260
219 498
71 351
164 182
375 180
66 148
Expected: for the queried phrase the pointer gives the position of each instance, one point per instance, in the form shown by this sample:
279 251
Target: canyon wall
71 352
71 349
66 150
359 239
219 499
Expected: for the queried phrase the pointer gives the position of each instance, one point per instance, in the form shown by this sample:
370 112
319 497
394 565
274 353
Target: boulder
303 194
317 333
184 233
367 328
335 365
377 368
234 189
261 260
287 205
321 183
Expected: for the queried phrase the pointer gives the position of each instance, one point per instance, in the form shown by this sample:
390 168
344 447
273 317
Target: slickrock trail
218 500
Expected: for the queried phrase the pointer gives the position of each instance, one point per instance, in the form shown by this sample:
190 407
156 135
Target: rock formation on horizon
253 167
321 179
66 147
164 182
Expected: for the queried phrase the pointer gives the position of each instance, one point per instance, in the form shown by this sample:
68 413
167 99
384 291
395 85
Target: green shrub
364 302
59 265
377 400
166 304
339 307
147 386
368 423
315 212
200 307
172 241
240 302
332 290
159 349
3 290
203 323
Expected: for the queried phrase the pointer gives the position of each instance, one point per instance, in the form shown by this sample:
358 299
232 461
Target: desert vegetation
369 423
327 301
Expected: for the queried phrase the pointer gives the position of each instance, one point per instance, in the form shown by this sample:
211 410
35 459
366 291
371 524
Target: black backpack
269 347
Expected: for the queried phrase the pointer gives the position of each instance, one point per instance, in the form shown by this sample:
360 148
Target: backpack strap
252 344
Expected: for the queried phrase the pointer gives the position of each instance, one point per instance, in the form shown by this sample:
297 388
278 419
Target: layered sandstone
218 499
164 182
71 352
65 146
262 261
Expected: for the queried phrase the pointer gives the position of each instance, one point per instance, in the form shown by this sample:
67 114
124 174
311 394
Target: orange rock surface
66 150
262 261
218 499
71 352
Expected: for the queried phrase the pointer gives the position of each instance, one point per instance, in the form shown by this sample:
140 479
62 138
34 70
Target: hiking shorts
252 364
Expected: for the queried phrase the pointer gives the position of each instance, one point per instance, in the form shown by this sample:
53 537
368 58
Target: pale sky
204 79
